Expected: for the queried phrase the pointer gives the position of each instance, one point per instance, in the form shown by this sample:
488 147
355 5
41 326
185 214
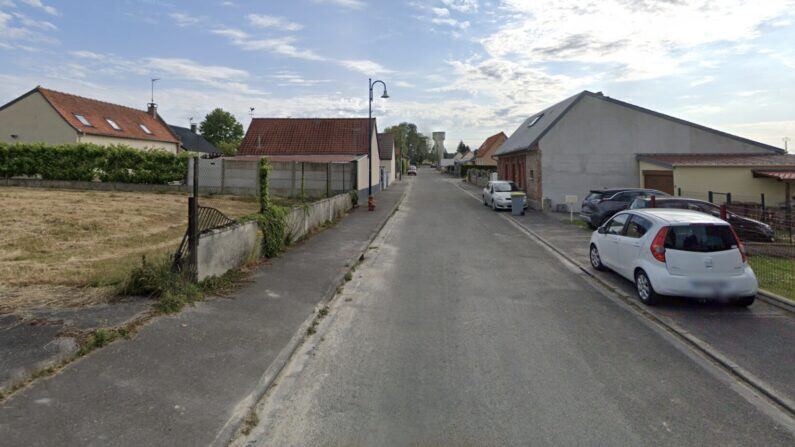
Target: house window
535 120
113 124
83 120
145 129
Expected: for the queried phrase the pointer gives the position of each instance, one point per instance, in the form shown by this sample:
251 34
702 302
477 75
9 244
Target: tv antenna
153 89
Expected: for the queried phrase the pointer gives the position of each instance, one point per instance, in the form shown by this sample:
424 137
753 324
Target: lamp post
370 200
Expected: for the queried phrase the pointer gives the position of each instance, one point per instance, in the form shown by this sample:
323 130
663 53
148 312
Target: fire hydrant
371 203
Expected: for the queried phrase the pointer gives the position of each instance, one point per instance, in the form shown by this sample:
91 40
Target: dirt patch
62 248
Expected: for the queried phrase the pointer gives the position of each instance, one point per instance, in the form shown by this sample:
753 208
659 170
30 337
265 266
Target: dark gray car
600 205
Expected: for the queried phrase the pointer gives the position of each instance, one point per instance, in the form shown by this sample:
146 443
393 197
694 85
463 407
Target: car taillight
658 244
740 245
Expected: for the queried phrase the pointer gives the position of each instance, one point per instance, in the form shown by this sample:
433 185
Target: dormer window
83 120
113 124
145 129
535 120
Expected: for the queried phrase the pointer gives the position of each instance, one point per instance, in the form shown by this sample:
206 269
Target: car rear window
505 187
701 238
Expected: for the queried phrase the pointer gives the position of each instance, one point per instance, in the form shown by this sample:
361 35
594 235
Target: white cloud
404 84
702 80
770 132
187 69
267 21
365 66
83 54
646 39
287 78
452 22
351 4
462 5
38 4
281 45
183 19
441 12
749 93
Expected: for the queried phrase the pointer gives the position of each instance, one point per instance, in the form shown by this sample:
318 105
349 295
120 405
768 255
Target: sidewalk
187 379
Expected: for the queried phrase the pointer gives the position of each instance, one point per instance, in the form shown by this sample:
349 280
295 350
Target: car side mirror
601 230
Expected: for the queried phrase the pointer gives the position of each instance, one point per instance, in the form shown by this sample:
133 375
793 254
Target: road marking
754 390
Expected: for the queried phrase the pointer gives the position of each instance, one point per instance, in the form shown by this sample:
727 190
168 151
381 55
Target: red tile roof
780 175
707 160
320 158
96 112
293 136
490 146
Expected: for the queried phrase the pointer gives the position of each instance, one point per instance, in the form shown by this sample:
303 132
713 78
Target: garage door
659 180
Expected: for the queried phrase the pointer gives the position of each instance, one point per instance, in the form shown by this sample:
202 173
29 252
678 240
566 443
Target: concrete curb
694 342
776 300
229 431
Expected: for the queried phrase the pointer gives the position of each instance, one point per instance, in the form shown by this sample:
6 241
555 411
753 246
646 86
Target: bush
271 217
158 280
88 162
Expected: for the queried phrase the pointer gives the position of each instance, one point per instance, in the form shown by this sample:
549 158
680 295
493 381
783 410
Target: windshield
505 187
701 238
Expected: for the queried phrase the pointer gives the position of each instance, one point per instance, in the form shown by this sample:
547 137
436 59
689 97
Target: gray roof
526 136
386 145
193 142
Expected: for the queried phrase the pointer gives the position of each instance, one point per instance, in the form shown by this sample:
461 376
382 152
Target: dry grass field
62 248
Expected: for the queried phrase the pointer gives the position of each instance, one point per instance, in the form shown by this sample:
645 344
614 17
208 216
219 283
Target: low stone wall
226 248
301 220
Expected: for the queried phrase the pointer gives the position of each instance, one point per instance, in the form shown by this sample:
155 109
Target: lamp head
385 95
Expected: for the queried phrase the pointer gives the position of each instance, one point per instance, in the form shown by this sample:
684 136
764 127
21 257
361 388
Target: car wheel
596 261
645 290
493 205
484 201
745 301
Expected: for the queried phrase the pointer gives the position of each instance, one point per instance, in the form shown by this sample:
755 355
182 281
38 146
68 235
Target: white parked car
497 194
675 252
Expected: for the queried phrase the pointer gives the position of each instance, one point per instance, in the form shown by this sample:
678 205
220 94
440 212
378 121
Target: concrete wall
226 248
302 220
319 179
227 176
594 146
34 120
134 143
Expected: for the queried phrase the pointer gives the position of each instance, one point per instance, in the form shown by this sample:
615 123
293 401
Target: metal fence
773 260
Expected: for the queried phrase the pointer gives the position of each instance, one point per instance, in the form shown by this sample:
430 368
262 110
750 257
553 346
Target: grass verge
775 274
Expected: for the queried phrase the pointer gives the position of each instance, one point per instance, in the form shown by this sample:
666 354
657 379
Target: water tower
438 143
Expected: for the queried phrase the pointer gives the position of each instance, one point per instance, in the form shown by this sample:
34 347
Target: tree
462 148
414 144
222 129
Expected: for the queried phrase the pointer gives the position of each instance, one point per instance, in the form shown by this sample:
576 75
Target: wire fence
772 257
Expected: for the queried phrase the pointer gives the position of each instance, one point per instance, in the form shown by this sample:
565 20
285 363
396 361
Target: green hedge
466 168
89 162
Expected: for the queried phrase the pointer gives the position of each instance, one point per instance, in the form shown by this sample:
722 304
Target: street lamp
370 200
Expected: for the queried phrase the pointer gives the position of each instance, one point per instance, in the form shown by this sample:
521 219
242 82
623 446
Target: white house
386 150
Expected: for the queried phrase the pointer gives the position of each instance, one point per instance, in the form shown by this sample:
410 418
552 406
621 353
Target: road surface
459 330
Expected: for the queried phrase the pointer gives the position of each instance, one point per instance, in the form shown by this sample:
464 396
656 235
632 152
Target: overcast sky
471 68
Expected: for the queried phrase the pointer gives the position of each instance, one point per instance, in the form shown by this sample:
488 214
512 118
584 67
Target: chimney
152 109
193 127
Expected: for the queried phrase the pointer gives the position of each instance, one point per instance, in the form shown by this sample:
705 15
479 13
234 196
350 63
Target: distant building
318 140
483 156
191 140
386 150
590 141
47 116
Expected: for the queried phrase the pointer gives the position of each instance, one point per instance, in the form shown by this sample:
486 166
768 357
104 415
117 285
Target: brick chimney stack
194 127
152 109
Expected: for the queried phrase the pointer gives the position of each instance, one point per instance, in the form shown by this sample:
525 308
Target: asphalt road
457 329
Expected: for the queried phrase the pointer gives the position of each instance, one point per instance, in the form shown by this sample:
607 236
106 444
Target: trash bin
517 203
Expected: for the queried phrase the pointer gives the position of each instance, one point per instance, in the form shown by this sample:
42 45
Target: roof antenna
251 112
152 107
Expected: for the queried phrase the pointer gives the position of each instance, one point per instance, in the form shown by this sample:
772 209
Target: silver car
497 194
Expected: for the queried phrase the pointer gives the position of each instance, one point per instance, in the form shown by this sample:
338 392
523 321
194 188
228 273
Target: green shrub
156 279
467 168
354 197
87 162
271 217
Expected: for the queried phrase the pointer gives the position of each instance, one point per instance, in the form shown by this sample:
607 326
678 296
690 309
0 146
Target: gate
201 219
